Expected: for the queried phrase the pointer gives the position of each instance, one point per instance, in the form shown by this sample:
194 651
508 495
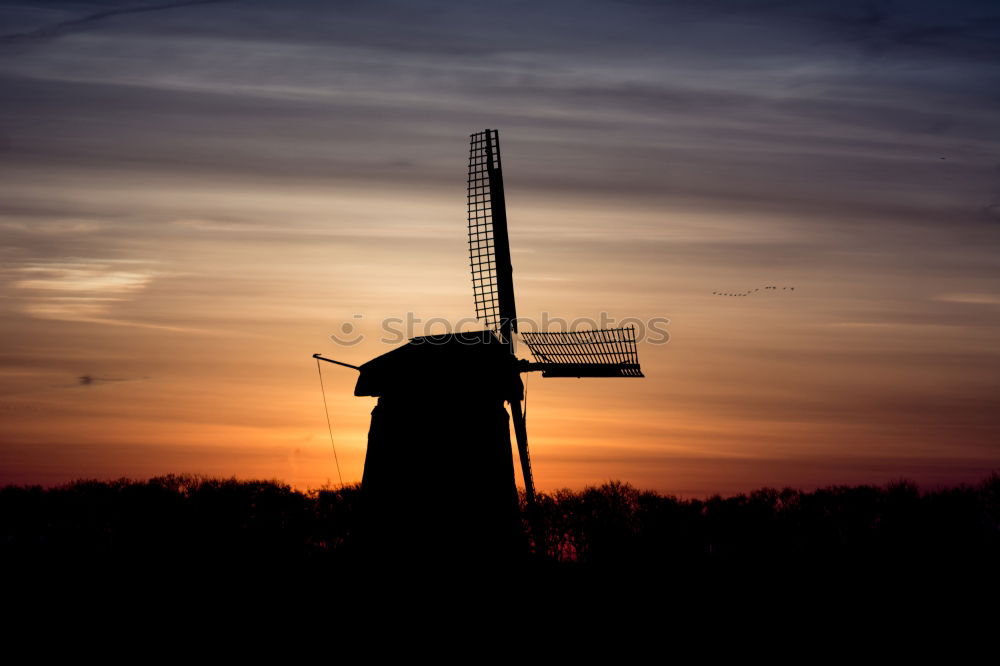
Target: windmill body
439 475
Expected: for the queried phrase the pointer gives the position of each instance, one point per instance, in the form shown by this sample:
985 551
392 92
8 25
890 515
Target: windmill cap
470 365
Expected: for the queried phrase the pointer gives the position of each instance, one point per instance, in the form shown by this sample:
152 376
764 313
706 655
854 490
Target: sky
194 196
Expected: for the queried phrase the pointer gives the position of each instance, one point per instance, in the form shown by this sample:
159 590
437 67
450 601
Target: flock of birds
751 292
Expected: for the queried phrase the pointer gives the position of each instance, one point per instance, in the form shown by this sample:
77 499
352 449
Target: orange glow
202 361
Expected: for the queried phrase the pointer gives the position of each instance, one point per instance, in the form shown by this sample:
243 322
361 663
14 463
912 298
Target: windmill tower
439 473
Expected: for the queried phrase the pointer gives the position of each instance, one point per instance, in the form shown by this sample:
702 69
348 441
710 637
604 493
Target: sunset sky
195 195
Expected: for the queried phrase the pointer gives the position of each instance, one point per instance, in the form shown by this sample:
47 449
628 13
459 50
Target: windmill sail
489 249
489 259
597 353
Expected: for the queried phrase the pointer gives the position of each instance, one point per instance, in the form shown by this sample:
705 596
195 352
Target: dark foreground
191 520
182 554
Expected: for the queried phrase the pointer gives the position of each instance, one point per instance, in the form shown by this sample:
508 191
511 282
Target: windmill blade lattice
489 249
596 353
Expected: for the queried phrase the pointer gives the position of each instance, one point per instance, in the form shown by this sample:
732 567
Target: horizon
194 197
608 484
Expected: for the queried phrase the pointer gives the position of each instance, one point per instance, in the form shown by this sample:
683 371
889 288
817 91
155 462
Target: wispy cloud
80 289
56 29
92 291
975 299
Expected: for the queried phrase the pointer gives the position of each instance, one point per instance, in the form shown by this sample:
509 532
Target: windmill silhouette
438 472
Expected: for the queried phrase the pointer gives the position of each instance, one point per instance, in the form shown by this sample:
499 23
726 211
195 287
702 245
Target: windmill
440 414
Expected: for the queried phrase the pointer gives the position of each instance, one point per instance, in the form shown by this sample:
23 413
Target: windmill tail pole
330 360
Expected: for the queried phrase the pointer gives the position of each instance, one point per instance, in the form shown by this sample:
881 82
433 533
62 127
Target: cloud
85 290
64 27
77 289
974 299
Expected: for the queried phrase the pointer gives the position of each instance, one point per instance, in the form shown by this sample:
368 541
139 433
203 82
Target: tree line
187 518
